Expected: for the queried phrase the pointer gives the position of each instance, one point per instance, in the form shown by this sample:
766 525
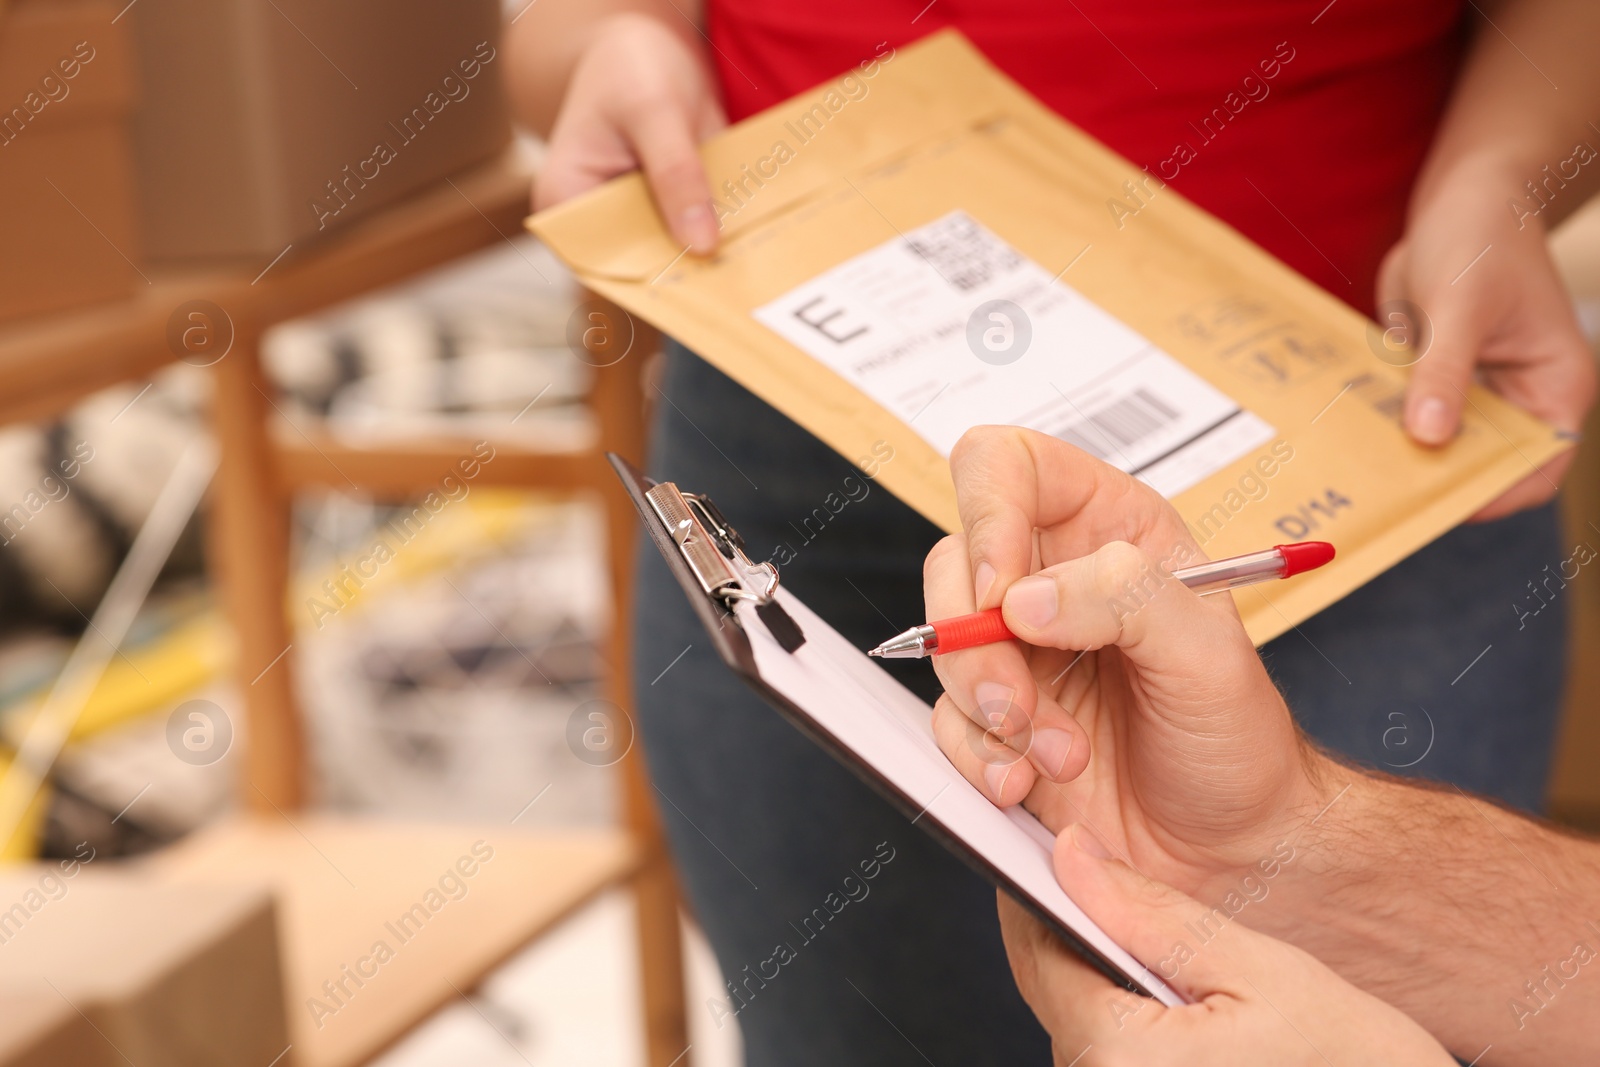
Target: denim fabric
765 826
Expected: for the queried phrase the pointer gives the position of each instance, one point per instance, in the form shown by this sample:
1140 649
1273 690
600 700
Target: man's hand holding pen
1134 715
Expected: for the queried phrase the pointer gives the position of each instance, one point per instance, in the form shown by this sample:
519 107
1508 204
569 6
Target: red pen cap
1305 556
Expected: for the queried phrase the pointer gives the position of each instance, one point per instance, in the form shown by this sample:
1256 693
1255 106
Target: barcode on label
964 253
1119 425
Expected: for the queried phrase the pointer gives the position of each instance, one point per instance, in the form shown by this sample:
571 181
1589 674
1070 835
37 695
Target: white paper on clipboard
884 724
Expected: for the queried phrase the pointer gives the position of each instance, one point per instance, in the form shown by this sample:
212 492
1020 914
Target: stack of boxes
139 135
67 205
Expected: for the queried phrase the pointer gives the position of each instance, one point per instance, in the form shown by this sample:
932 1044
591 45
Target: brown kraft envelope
930 154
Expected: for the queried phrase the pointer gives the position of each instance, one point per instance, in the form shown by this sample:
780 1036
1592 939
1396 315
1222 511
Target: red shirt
1314 162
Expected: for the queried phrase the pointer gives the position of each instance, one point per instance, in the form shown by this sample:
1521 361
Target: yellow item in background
23 844
489 519
932 150
154 675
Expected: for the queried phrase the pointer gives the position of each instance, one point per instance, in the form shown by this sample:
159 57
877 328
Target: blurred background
309 572
313 717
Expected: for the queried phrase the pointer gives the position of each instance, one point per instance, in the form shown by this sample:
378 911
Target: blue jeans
765 826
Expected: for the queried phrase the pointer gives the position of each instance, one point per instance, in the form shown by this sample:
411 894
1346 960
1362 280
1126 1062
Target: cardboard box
42 1030
267 123
110 968
66 180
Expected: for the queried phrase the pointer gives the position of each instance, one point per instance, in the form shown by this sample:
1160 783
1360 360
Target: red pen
988 627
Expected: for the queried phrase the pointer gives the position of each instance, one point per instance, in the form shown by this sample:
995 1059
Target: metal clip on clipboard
716 555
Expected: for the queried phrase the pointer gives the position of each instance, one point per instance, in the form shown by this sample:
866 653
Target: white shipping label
949 327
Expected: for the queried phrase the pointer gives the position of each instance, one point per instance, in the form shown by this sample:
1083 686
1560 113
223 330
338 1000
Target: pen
988 627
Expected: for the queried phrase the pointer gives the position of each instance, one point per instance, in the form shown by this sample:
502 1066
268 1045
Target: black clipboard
707 557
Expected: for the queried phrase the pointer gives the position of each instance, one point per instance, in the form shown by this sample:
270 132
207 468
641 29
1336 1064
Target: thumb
665 139
1121 596
1448 343
1196 950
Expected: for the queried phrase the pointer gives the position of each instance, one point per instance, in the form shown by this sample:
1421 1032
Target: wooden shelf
313 458
50 362
343 886
339 882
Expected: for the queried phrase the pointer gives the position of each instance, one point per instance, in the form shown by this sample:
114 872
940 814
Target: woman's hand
1255 1000
1130 705
1489 294
641 96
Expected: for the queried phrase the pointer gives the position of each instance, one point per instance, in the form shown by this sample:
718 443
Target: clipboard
844 702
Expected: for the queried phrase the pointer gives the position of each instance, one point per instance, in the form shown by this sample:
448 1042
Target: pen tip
877 652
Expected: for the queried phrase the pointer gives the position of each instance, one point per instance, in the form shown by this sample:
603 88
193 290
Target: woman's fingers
582 155
665 138
640 97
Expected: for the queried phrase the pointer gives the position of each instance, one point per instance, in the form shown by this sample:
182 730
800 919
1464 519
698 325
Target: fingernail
1430 422
1032 601
994 776
983 581
1049 751
1085 841
697 225
994 705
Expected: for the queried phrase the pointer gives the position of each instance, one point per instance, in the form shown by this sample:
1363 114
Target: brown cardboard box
267 123
66 202
42 1030
110 968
